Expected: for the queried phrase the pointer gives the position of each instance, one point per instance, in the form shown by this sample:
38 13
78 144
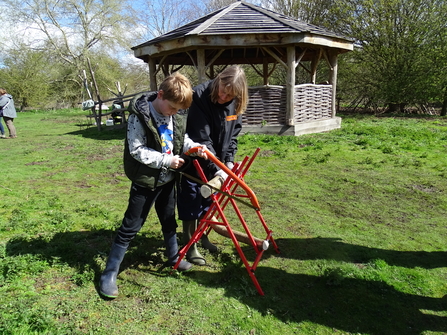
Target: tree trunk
444 104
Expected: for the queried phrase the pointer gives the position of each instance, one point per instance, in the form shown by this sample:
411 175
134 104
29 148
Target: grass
358 214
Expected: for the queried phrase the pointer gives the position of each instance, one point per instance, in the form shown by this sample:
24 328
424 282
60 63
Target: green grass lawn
359 215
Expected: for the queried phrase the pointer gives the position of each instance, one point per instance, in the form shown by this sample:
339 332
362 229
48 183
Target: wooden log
241 237
216 182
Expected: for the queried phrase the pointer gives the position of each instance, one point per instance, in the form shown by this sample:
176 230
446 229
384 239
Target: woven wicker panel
312 102
267 104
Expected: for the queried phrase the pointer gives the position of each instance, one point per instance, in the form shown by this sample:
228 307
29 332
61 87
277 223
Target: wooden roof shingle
242 18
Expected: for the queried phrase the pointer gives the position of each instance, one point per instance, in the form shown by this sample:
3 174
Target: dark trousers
10 124
191 205
2 130
141 200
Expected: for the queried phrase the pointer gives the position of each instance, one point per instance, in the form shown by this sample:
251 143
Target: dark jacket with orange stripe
214 125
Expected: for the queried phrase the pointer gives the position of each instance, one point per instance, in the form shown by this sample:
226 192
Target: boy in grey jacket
156 137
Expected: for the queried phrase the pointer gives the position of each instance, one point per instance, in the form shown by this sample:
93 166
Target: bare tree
310 11
162 16
71 29
213 5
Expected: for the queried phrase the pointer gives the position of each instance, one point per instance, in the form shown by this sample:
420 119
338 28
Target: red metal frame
216 216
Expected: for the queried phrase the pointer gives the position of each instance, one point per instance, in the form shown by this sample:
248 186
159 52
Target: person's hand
229 165
176 162
201 152
222 174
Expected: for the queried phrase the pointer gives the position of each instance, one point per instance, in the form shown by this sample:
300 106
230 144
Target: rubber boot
172 252
193 255
206 244
107 283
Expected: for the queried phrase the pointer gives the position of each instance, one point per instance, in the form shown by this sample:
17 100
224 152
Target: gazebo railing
312 102
267 104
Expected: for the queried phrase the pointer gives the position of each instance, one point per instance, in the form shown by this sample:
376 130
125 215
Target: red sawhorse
229 197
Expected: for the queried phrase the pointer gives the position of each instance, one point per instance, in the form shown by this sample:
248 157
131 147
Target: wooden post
201 67
93 109
265 71
333 80
152 76
314 65
313 71
290 87
99 115
165 69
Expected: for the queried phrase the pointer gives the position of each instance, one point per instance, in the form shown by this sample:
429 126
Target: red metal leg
215 215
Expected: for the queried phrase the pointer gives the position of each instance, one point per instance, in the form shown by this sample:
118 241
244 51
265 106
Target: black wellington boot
107 283
172 252
193 255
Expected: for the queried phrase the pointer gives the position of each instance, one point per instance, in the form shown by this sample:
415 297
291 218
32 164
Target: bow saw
253 200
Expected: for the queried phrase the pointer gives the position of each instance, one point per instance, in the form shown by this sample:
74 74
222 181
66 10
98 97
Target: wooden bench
121 99
120 111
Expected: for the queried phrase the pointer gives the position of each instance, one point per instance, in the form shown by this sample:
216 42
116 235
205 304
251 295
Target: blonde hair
177 89
235 83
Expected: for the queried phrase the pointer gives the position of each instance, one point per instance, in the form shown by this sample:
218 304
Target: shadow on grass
107 133
351 305
81 250
357 306
354 305
335 249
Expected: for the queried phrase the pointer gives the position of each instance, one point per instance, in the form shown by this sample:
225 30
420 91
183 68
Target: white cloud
130 59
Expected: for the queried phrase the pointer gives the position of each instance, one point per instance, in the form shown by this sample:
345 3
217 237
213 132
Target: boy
156 136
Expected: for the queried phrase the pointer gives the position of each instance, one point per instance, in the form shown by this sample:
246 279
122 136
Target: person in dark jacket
8 111
214 120
156 137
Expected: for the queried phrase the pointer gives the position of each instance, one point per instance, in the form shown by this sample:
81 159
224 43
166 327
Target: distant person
156 137
214 120
9 113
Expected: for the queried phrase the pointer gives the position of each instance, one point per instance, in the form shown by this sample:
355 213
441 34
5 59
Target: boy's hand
176 162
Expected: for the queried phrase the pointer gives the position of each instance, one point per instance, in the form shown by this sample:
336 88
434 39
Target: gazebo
243 33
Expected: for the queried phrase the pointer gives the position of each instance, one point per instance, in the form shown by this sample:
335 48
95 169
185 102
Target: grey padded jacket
7 106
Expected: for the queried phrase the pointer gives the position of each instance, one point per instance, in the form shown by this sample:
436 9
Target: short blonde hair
235 83
177 89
